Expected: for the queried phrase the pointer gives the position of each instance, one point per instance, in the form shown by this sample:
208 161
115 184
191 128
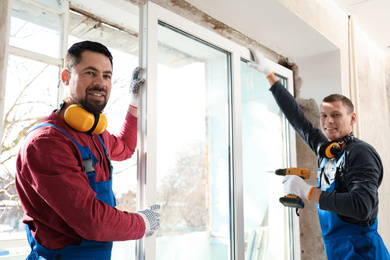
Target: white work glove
260 64
294 185
151 218
136 82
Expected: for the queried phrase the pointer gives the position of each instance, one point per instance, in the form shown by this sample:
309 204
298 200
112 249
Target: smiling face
89 81
336 120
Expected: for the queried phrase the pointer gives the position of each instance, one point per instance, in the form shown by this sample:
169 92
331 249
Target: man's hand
260 64
136 82
151 218
294 185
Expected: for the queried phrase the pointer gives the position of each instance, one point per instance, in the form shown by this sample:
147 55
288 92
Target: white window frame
63 44
150 15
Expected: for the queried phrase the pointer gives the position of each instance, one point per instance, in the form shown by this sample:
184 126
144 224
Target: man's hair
73 56
337 97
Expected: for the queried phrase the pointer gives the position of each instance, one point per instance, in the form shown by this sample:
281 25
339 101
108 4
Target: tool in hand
293 201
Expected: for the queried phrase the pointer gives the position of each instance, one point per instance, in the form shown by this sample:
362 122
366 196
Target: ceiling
261 22
372 16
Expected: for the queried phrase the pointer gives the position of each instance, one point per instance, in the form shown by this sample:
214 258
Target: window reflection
193 148
263 148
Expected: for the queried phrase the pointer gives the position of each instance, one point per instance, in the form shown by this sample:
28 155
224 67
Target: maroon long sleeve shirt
60 207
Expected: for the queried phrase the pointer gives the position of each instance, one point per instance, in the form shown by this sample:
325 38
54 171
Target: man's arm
122 146
51 180
303 127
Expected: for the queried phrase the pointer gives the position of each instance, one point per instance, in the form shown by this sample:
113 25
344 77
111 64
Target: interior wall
320 76
374 117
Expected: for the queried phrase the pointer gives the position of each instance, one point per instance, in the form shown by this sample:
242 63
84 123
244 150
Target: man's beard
92 106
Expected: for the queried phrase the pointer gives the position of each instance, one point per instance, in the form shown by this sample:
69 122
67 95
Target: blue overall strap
107 156
89 160
322 164
340 160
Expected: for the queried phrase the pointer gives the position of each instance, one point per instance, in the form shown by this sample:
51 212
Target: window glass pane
192 148
263 148
31 93
35 29
124 49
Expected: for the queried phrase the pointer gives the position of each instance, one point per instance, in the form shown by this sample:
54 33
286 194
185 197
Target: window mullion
147 124
237 209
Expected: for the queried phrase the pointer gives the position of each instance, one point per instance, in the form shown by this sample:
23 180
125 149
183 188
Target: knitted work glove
136 82
151 218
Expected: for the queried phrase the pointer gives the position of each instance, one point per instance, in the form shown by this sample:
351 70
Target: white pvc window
207 123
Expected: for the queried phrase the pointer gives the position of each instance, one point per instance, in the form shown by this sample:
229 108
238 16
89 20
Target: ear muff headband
81 120
331 149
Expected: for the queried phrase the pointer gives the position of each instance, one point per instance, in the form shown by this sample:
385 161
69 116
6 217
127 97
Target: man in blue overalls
64 171
349 174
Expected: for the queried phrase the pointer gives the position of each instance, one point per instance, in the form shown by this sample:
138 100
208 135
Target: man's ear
65 77
353 118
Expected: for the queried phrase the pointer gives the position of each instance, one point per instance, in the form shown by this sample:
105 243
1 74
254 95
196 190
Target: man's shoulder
360 144
48 129
361 148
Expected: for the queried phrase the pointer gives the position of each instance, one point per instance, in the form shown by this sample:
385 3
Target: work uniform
64 181
348 205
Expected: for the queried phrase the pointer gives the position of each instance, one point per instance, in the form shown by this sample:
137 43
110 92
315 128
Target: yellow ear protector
331 149
81 120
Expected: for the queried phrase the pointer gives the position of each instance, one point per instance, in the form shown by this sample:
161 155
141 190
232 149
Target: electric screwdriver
293 201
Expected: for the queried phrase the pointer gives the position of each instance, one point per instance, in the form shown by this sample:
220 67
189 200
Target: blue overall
345 240
88 249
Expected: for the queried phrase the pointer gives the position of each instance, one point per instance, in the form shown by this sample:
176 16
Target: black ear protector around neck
81 120
332 148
